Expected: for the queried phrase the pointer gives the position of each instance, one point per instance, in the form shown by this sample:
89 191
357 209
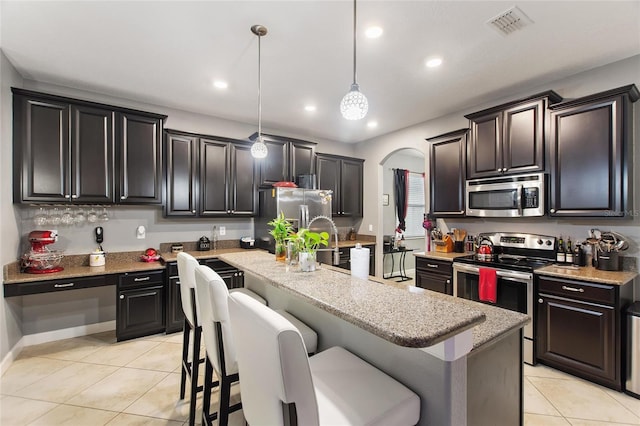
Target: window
415 206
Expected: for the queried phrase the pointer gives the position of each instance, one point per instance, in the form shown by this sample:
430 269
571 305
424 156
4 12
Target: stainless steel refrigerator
299 206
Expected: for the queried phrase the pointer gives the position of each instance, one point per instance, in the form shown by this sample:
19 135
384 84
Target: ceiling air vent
509 21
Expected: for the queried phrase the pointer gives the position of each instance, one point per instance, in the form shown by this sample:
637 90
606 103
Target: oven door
514 292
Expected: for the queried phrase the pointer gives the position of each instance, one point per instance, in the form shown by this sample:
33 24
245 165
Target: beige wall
10 332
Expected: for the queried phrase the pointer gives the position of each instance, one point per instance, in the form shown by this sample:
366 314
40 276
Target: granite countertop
440 255
206 254
588 274
406 318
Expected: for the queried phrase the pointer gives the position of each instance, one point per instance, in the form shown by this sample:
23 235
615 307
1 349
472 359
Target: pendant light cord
354 42
259 89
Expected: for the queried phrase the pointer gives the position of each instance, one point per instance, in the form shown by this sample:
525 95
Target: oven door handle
514 276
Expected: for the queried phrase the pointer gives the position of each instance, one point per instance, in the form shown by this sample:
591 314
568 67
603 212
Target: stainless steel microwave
506 196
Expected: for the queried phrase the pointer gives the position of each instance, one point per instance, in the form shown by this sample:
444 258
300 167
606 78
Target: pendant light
354 105
259 149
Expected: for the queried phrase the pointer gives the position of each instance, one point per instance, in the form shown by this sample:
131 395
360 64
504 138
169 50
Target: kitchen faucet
336 251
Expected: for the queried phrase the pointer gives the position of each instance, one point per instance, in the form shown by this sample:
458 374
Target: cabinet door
275 167
351 187
588 176
523 142
242 192
447 174
175 315
328 169
484 149
214 178
41 145
92 155
140 159
434 282
181 188
302 156
140 312
577 337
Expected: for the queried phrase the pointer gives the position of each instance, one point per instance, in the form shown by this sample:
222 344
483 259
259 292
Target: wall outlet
141 233
370 227
223 230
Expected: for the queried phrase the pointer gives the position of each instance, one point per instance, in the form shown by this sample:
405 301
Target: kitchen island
462 358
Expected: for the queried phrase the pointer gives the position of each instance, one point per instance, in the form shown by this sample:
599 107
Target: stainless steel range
514 257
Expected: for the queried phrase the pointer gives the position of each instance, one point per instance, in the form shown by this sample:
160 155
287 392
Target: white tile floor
93 380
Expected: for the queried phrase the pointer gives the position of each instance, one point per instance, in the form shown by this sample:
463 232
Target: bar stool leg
195 366
223 404
185 357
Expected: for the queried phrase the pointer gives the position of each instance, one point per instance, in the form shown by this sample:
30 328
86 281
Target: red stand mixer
41 260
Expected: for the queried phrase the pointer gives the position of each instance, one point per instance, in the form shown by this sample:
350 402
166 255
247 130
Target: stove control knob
539 242
548 242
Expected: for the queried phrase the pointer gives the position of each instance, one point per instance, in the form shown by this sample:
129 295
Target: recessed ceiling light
372 124
373 32
219 84
434 62
310 108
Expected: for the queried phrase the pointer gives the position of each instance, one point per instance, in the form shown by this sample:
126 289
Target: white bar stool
213 297
281 385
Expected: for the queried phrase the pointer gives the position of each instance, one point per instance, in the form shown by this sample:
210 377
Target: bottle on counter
560 253
578 256
215 238
569 252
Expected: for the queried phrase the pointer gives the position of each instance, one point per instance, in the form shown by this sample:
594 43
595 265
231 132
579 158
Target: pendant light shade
259 149
354 105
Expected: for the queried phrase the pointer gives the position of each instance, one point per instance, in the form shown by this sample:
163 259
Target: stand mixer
41 260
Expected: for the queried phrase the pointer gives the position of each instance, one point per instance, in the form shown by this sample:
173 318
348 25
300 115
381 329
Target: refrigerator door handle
304 216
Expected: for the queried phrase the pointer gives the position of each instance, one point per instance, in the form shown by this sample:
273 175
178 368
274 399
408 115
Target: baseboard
11 356
67 333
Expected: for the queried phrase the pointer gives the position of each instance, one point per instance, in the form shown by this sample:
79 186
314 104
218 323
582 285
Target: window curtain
400 178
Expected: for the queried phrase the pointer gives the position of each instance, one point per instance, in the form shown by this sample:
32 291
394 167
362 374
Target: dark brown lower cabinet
578 329
140 307
434 275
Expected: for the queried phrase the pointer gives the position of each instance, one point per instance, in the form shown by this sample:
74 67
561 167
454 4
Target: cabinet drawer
591 292
137 279
172 269
22 289
434 266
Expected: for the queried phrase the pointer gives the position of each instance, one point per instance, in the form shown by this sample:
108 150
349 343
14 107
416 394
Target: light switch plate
141 232
223 230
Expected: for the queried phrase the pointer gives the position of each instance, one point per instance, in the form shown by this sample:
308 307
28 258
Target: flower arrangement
306 243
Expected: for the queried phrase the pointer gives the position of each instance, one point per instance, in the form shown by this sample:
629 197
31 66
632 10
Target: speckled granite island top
588 274
402 317
440 255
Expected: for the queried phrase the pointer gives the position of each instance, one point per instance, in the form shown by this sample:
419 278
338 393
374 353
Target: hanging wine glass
92 216
40 218
67 217
104 216
80 218
54 217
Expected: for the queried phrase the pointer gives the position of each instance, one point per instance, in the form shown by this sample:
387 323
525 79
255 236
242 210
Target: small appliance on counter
97 257
204 244
176 248
443 242
41 260
247 243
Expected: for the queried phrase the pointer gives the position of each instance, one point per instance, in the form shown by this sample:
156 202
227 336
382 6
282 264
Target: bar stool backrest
186 271
214 308
274 367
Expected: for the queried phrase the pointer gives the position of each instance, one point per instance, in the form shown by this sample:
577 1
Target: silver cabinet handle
228 211
121 296
64 285
193 211
431 265
540 301
142 279
448 281
577 290
67 196
178 282
123 197
74 196
552 211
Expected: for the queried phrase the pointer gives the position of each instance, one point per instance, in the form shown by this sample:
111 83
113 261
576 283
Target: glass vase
281 250
307 261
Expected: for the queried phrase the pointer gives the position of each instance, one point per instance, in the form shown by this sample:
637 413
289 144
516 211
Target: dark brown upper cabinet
509 138
140 158
345 177
209 176
590 155
287 159
447 173
66 150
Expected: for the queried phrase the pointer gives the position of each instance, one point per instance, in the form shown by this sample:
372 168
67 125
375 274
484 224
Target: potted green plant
282 228
307 244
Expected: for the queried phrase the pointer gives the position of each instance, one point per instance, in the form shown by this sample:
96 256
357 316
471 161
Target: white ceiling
168 52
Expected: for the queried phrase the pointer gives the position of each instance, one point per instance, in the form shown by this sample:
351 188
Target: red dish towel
487 285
